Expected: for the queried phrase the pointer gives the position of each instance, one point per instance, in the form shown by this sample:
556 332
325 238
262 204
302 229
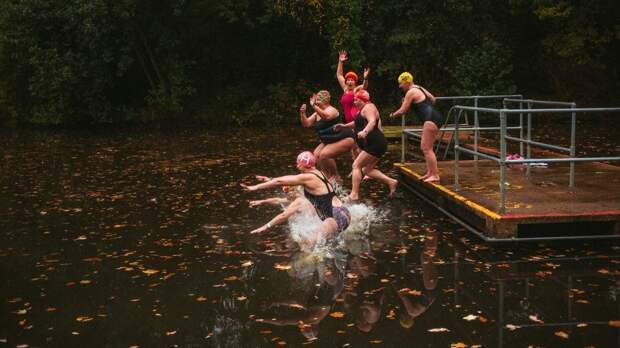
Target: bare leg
327 229
331 151
429 134
377 174
362 160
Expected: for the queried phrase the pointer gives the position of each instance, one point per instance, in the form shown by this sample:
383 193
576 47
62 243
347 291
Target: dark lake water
141 238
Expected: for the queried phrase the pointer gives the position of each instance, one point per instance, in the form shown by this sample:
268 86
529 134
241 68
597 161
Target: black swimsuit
426 111
326 133
375 142
324 208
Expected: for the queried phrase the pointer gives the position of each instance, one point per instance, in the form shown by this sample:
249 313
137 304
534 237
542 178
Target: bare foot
393 186
423 177
432 178
353 198
366 177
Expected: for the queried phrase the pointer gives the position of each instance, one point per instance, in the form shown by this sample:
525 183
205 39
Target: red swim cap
351 75
363 95
306 159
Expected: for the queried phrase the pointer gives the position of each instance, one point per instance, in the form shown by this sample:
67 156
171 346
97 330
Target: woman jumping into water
333 143
319 192
432 120
371 142
348 82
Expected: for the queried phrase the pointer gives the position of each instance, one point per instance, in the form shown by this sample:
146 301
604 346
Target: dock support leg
528 153
476 131
403 140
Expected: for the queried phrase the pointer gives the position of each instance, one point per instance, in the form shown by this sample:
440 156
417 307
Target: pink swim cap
363 95
306 159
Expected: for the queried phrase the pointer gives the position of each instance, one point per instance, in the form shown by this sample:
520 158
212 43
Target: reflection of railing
447 127
501 160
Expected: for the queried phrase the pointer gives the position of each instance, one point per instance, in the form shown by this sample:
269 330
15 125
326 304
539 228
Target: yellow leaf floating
201 299
336 314
247 264
83 319
231 278
85 281
170 333
242 298
282 267
458 345
376 341
150 271
439 329
562 334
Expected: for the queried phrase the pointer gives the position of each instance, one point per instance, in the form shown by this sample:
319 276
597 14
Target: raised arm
306 121
366 73
342 56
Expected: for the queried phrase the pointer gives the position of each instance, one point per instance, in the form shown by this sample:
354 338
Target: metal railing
476 127
501 160
528 140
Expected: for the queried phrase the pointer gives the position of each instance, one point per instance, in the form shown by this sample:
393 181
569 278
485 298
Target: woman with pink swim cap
319 192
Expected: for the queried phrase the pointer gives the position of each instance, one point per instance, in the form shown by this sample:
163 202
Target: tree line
89 62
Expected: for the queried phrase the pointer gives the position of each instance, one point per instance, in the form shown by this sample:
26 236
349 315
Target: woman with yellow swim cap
422 101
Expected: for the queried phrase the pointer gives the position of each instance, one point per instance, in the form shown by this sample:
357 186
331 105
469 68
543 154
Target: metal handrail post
573 126
502 163
476 131
456 151
528 154
402 139
521 129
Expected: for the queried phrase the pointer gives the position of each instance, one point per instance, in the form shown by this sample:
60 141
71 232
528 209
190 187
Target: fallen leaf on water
336 314
50 309
614 323
483 319
470 317
603 271
583 301
75 333
376 341
265 332
282 343
281 267
458 345
561 334
242 298
247 264
384 280
201 298
439 329
512 327
535 319
150 271
170 333
83 319
582 325
85 281
231 278
21 312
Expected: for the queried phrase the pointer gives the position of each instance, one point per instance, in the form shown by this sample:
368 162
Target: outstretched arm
282 217
342 56
273 201
287 180
405 105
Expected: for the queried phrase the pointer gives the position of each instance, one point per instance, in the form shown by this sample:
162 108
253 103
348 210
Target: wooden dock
540 205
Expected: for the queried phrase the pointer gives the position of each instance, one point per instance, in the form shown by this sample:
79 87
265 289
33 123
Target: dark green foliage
245 61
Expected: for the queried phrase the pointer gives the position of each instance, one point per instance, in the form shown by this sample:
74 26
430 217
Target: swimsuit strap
324 180
423 92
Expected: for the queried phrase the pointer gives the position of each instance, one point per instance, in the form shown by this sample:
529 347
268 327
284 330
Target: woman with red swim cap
319 192
371 142
349 85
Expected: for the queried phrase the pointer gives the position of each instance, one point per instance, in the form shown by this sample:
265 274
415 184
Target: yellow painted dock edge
456 196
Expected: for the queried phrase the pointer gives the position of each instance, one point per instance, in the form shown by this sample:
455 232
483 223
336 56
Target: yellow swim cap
405 77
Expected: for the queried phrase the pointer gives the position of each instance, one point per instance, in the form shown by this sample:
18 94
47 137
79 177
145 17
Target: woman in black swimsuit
319 192
432 120
371 142
332 143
